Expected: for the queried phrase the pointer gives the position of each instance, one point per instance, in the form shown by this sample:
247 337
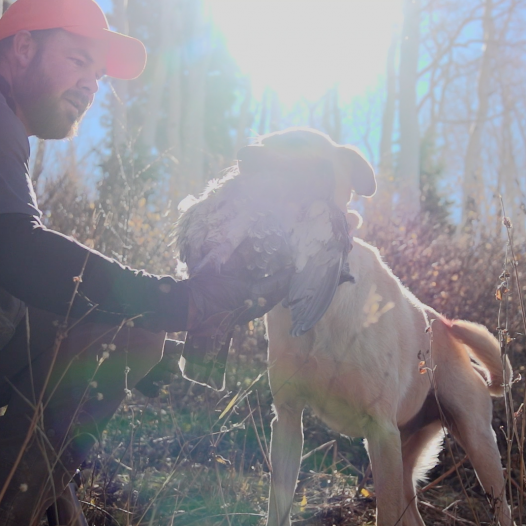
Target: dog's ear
354 165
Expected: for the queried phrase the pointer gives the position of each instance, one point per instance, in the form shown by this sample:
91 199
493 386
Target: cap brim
126 56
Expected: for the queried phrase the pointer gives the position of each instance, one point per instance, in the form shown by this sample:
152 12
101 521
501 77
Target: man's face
58 86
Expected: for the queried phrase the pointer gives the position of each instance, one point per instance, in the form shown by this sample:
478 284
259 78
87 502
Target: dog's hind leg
286 446
384 448
466 403
419 451
471 426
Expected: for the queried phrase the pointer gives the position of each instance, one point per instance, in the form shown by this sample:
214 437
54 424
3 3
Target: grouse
283 205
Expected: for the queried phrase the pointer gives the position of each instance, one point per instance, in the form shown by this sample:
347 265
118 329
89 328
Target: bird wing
254 224
232 231
203 224
321 244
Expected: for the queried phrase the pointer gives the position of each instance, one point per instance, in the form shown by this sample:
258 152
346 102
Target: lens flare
301 48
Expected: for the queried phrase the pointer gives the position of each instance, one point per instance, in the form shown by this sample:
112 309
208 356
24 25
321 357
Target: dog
358 363
360 370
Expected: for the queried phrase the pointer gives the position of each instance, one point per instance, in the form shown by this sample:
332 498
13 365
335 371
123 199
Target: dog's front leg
286 445
384 448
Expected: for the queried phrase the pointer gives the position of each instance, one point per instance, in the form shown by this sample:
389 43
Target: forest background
444 127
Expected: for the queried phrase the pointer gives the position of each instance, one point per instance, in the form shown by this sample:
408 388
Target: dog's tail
484 348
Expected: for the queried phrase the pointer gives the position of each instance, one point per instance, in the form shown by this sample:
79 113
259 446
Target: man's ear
352 163
24 48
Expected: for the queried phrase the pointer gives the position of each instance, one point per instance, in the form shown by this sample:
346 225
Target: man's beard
44 110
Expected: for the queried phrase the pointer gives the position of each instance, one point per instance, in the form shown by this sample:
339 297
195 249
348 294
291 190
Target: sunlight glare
301 48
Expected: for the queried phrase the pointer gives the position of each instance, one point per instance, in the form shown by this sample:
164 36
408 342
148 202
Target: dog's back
379 365
365 352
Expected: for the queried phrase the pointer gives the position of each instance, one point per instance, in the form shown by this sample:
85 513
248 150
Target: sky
297 48
302 48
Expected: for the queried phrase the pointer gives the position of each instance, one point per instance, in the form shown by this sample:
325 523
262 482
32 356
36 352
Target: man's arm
39 265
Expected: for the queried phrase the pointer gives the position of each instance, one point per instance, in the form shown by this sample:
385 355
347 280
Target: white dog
359 366
360 370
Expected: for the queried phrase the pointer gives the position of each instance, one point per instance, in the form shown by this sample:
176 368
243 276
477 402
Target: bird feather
278 208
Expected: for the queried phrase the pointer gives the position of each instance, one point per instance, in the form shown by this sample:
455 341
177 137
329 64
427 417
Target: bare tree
332 115
196 63
472 187
244 117
120 87
386 163
160 71
409 162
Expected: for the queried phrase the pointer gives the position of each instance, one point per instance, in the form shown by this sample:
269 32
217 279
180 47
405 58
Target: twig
444 475
263 452
507 475
61 334
366 477
446 513
98 508
522 468
319 448
218 475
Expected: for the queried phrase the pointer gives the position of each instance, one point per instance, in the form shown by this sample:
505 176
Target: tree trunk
38 166
244 119
472 186
386 168
120 87
158 85
275 113
265 103
507 170
197 60
409 163
179 188
332 119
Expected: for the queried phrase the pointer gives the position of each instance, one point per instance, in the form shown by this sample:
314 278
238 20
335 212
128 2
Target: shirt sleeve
40 267
16 190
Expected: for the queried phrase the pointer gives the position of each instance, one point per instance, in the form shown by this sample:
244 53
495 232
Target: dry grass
173 461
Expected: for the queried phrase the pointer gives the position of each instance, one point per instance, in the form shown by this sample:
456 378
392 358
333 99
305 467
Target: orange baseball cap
126 56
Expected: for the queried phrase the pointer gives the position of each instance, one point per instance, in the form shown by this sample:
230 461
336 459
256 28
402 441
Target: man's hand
218 303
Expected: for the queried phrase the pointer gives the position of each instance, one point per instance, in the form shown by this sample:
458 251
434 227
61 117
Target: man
61 387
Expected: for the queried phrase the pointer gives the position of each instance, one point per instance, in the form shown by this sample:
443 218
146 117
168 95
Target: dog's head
305 145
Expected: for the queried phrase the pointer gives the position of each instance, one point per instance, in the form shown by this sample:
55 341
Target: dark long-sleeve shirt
38 265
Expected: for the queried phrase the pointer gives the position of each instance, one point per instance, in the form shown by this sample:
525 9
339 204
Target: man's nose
89 84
